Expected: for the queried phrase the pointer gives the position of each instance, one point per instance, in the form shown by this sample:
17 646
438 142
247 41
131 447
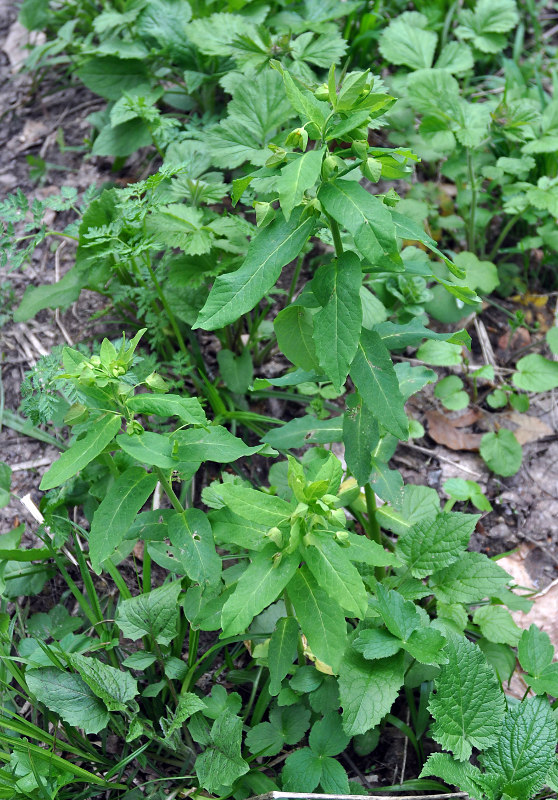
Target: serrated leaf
535 650
187 409
497 625
115 687
99 434
327 737
468 705
338 324
405 41
237 292
222 763
68 696
192 540
281 652
154 614
330 567
366 218
455 773
469 580
297 177
368 690
525 751
302 771
376 643
374 376
435 542
287 725
320 617
259 586
117 511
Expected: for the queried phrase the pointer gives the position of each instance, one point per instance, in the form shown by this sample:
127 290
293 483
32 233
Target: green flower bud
322 92
297 138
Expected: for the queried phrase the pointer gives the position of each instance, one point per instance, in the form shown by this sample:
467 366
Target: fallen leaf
515 565
527 428
530 299
519 338
468 417
442 430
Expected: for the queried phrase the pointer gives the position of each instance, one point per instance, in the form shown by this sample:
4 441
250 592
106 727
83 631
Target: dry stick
433 454
316 796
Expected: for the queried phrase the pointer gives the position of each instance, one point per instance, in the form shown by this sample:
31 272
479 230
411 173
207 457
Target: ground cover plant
248 601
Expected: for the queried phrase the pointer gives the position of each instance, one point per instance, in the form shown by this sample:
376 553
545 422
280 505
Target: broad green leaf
435 542
320 617
294 327
454 773
338 324
302 771
485 25
281 652
468 705
470 579
411 232
57 295
221 764
396 336
110 76
366 218
214 443
231 528
535 651
115 687
519 761
455 57
154 614
368 689
440 354
117 511
400 616
374 376
237 292
502 452
237 371
536 373
259 586
364 551
187 409
250 504
287 725
305 430
192 540
327 737
68 696
99 435
331 567
413 379
188 704
154 449
376 643
497 625
405 41
360 436
297 177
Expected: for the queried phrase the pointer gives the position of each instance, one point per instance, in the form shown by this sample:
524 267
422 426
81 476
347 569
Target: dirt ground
525 506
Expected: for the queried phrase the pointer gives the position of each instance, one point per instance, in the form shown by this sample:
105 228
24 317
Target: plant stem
334 227
169 491
503 233
294 280
473 212
373 528
168 311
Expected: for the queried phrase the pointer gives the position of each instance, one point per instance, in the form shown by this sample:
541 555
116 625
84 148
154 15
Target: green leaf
287 725
188 704
231 528
450 391
374 376
192 540
469 580
327 737
303 101
235 293
435 542
302 771
237 371
455 57
440 354
368 689
364 551
297 177
5 484
250 504
330 567
502 452
535 651
110 76
338 324
221 764
99 434
214 443
281 652
122 140
396 336
259 586
468 705
187 409
294 327
115 687
525 751
154 614
455 773
484 25
154 449
400 616
360 436
536 373
117 511
320 617
405 41
376 643
410 231
366 218
497 625
305 430
68 696
334 779
57 295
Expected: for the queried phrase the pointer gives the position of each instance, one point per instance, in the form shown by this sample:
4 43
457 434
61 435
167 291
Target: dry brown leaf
465 418
527 428
515 565
441 429
519 338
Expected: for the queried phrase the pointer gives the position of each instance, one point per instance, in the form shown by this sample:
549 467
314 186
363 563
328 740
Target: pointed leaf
68 696
368 689
192 540
281 652
296 177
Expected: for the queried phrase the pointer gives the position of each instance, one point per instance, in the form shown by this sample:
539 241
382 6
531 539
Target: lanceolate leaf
366 218
214 443
320 617
250 504
187 409
468 704
331 567
259 586
99 435
237 292
360 435
374 377
117 511
192 539
281 652
338 324
298 176
294 328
